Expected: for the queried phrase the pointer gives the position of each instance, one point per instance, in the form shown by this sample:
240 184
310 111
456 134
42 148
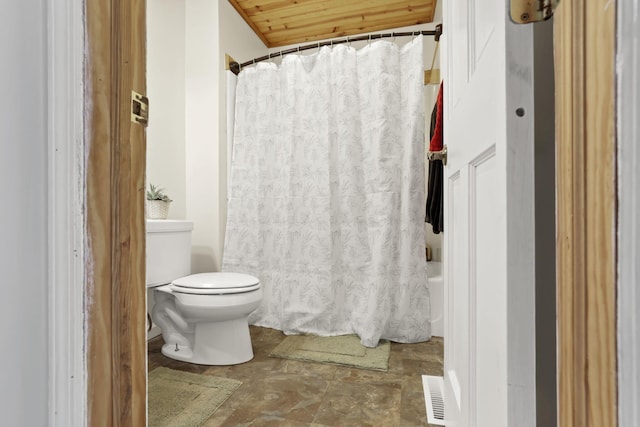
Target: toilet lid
215 283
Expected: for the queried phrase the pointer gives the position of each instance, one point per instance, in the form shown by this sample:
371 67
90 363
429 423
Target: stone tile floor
288 393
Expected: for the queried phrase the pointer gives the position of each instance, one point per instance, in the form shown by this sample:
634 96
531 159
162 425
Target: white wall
212 29
23 247
628 269
202 69
166 162
186 154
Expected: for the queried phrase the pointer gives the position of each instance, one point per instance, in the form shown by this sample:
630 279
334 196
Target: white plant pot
157 209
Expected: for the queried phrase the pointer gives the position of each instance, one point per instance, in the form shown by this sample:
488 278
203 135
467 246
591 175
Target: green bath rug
341 350
185 399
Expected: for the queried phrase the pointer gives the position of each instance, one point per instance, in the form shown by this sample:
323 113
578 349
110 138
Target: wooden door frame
115 150
586 206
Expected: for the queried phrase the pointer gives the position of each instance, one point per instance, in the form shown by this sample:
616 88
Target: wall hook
438 155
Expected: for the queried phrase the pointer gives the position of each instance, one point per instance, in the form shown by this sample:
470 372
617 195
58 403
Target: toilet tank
168 250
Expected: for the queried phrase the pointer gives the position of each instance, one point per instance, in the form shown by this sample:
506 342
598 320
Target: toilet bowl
203 317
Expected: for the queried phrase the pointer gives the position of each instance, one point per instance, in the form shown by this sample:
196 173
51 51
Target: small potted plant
157 203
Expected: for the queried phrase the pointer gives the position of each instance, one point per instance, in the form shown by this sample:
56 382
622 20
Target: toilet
203 317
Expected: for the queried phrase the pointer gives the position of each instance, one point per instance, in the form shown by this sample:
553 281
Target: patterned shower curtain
326 199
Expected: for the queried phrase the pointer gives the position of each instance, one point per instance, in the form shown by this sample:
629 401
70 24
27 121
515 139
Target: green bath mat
184 399
341 350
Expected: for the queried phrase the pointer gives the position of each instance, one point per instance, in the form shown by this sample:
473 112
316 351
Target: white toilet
203 317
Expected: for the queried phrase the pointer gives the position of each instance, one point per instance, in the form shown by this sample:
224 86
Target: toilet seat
215 284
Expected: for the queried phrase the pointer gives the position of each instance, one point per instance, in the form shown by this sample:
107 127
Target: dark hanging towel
435 200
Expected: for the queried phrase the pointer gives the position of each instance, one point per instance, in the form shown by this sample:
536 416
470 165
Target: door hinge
527 11
139 108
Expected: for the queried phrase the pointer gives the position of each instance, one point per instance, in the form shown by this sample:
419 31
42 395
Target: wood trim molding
586 203
115 168
98 170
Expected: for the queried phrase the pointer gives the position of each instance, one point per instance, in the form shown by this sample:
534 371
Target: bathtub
436 290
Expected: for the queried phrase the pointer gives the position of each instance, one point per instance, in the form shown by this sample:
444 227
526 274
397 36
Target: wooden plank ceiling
286 22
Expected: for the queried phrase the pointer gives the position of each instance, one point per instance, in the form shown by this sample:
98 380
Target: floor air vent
434 399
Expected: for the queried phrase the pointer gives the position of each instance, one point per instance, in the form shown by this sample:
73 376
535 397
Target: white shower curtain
326 202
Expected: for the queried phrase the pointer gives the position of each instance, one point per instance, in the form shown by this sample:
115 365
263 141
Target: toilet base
216 343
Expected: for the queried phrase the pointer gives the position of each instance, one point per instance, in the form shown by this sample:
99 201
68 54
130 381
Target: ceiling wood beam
286 22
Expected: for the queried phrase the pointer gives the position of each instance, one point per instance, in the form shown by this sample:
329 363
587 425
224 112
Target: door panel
483 27
457 33
489 221
487 314
456 301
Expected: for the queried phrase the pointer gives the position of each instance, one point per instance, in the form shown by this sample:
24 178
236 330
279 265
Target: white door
489 247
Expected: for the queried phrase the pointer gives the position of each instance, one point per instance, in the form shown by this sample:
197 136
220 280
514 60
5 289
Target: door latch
139 108
527 11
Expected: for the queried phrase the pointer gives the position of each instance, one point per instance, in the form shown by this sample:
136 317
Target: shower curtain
326 197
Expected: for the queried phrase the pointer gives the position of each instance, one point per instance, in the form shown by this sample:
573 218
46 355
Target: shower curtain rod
236 67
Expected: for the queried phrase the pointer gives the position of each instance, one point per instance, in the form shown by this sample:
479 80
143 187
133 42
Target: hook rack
438 155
